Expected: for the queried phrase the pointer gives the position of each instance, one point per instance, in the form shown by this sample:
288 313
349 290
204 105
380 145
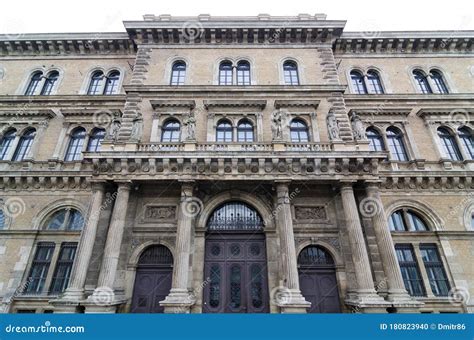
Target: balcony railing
233 147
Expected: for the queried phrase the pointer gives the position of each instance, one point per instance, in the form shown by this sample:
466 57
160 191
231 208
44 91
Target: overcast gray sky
37 16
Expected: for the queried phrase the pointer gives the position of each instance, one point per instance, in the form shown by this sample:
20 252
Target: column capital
124 185
346 185
187 188
98 186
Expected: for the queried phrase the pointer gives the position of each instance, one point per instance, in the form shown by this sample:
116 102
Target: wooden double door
235 273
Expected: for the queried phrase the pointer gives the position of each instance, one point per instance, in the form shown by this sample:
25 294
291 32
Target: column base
178 301
72 294
63 306
367 301
291 301
403 302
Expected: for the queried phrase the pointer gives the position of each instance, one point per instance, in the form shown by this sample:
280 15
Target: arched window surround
380 134
77 143
179 70
245 134
301 131
40 88
106 71
422 209
235 61
24 144
364 71
224 134
8 141
465 136
402 138
449 144
39 220
173 131
427 71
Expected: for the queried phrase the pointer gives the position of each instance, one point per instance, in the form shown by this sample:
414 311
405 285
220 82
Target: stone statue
114 128
190 123
357 127
333 125
277 125
137 127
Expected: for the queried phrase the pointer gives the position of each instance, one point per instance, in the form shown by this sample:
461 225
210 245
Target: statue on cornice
113 130
137 127
190 123
278 117
357 127
333 125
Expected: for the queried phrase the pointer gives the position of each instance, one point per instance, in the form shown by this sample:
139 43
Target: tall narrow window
396 145
245 131
225 73
63 269
467 141
410 271
449 144
375 140
34 83
6 144
111 83
24 145
224 132
439 82
74 150
243 73
298 131
422 82
406 220
171 131
49 83
358 83
95 140
434 268
374 83
95 85
2 219
290 73
39 268
178 73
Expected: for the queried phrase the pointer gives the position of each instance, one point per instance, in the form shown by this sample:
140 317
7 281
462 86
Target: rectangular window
409 268
63 268
434 268
39 268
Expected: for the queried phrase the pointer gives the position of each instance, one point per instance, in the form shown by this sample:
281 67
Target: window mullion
52 267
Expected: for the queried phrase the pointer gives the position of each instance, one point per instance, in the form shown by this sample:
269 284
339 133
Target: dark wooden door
235 267
319 286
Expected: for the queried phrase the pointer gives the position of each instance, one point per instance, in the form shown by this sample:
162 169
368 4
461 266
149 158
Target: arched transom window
235 216
65 219
406 220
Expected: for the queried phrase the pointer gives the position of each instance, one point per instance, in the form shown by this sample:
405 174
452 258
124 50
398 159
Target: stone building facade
237 164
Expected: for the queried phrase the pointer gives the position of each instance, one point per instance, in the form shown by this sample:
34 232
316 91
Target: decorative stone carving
157 213
310 213
278 118
333 125
137 127
113 130
190 123
357 127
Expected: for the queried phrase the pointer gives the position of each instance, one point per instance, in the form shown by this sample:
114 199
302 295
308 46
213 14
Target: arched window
49 83
243 73
65 219
95 85
290 73
438 81
449 144
406 220
245 131
235 216
111 83
6 144
315 256
74 150
375 140
34 83
95 140
358 83
171 131
467 141
224 132
225 73
374 83
422 82
298 131
24 145
396 145
178 73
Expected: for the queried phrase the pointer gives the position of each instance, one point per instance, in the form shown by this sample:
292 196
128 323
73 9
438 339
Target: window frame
96 138
226 72
414 265
112 88
21 151
449 144
228 129
408 218
358 82
50 82
467 141
34 83
96 83
432 275
243 72
68 219
399 148
439 81
174 132
421 82
44 265
247 130
63 263
77 140
299 130
178 74
291 75
375 136
5 150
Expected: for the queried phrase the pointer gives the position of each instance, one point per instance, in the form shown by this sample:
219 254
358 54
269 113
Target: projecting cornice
296 103
261 29
444 111
190 104
66 44
405 42
259 104
90 112
380 111
25 112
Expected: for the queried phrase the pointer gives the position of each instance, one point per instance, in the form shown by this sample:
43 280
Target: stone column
289 298
75 290
366 294
104 291
180 300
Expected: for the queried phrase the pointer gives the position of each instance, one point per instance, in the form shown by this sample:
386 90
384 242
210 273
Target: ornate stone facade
353 151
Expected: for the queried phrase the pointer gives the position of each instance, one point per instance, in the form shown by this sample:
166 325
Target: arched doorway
235 261
153 280
318 283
